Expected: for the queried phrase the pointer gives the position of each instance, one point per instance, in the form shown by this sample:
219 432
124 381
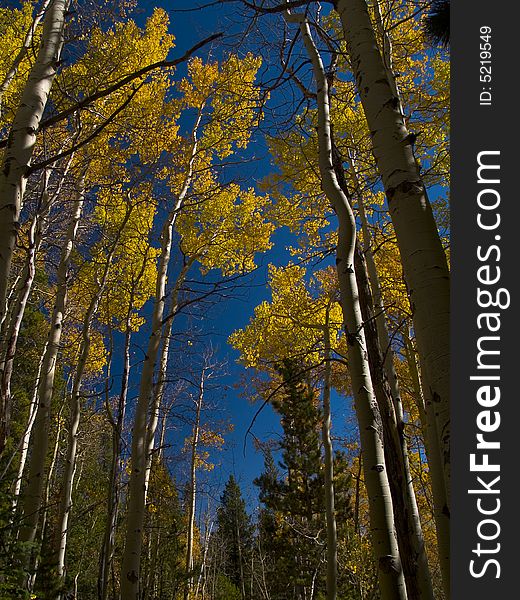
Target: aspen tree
384 542
195 435
75 399
424 262
117 422
223 230
332 541
22 53
19 296
429 425
22 136
428 422
24 441
140 433
32 497
406 514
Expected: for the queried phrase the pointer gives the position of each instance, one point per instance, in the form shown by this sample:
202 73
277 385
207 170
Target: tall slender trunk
158 390
108 547
12 328
384 543
193 488
440 508
33 570
429 425
202 574
107 550
406 514
22 53
32 497
23 134
131 562
137 486
330 511
152 576
24 446
424 262
75 406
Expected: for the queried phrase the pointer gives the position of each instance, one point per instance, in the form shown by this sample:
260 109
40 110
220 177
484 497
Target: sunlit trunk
384 542
131 563
32 496
23 134
424 262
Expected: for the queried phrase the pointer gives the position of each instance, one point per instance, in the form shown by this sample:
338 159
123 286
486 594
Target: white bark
23 134
27 43
12 326
24 446
158 391
424 262
35 559
332 541
137 486
193 487
386 385
384 542
75 406
107 550
131 562
32 497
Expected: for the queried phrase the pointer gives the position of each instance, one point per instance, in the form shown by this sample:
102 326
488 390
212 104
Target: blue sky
244 462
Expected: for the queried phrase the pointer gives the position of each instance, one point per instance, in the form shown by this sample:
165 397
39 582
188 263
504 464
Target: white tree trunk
384 542
27 43
193 488
12 326
35 558
23 134
24 446
424 262
75 407
158 391
332 541
131 562
107 551
32 497
386 385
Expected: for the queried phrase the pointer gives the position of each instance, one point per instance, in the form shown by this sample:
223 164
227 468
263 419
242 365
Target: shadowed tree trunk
406 513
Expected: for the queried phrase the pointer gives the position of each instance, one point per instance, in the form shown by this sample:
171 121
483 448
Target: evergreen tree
235 534
292 522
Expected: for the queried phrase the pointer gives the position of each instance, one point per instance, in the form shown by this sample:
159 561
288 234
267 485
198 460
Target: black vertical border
476 128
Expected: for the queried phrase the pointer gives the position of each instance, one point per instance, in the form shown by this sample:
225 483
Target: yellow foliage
14 25
97 356
226 229
292 324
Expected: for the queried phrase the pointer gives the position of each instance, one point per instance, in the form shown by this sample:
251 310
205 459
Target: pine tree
235 534
292 522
